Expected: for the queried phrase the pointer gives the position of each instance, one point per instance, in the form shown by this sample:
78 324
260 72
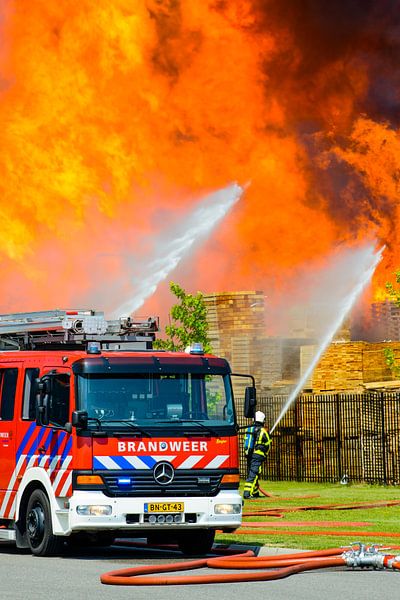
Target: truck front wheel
39 531
197 542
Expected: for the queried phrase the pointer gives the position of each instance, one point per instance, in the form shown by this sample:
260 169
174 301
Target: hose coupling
364 556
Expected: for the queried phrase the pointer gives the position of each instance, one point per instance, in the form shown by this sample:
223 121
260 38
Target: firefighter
257 443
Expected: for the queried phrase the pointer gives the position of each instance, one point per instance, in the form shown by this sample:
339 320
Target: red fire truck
102 437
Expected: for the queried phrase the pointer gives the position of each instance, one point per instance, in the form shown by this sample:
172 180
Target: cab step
7 535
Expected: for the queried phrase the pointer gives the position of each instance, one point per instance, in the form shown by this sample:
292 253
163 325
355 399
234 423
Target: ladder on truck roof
73 330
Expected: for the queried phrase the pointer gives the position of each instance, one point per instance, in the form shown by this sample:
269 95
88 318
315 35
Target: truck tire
39 530
197 542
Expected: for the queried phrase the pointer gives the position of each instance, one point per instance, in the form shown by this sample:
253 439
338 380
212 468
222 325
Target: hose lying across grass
322 532
279 512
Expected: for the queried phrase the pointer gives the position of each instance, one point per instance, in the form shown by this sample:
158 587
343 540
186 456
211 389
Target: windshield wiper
129 423
205 427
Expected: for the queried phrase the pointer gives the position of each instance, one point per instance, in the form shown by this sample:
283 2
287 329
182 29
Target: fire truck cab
102 437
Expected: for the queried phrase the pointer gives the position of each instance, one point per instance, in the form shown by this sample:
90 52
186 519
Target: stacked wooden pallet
340 368
375 365
347 366
272 368
236 329
237 332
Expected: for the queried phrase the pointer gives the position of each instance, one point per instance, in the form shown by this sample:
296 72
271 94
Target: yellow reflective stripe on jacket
262 443
263 437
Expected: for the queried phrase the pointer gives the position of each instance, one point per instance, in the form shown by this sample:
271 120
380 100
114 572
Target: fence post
297 437
338 438
383 438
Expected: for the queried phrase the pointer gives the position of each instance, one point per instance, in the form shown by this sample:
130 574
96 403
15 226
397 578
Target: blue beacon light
123 481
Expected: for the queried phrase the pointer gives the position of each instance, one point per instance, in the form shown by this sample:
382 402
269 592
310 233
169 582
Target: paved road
73 577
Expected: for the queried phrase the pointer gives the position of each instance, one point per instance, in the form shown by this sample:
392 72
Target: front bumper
127 514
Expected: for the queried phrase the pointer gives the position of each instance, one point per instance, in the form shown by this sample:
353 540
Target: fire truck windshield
184 400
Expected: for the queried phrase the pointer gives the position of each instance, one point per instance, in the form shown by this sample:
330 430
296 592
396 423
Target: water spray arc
193 229
344 309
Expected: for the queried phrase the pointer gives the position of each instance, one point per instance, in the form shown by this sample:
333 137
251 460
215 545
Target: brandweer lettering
157 446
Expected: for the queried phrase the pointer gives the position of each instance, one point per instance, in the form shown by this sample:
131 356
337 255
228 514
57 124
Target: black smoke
321 44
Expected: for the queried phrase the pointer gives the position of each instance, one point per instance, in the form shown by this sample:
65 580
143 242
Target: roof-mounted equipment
73 330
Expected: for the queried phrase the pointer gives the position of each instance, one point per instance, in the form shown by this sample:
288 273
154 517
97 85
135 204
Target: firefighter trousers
251 486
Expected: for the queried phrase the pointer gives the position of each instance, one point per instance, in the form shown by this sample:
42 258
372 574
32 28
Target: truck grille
142 483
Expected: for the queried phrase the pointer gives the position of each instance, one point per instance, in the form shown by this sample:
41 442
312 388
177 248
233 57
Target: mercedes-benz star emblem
163 473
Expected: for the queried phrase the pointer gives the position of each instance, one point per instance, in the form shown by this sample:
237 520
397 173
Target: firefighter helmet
260 417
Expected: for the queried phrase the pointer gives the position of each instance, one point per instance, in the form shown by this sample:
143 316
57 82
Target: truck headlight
94 510
228 509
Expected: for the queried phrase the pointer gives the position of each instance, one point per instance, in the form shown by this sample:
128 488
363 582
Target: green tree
188 322
394 295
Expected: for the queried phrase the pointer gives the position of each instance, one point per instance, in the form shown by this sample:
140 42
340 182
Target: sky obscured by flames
116 117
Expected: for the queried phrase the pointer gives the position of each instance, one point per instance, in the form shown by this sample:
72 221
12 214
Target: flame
116 117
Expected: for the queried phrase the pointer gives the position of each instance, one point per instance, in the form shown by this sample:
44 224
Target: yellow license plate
164 507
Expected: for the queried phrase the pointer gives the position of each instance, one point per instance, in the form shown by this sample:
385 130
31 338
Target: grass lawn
384 519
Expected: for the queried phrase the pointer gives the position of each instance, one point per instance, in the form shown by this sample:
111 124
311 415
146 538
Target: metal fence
333 437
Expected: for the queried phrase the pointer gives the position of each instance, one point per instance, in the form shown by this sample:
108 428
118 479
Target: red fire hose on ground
287 564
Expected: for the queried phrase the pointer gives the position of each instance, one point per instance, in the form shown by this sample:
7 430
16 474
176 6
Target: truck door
54 448
8 387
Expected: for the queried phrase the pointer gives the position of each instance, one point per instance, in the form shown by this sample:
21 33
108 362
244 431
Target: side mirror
80 419
250 402
44 386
